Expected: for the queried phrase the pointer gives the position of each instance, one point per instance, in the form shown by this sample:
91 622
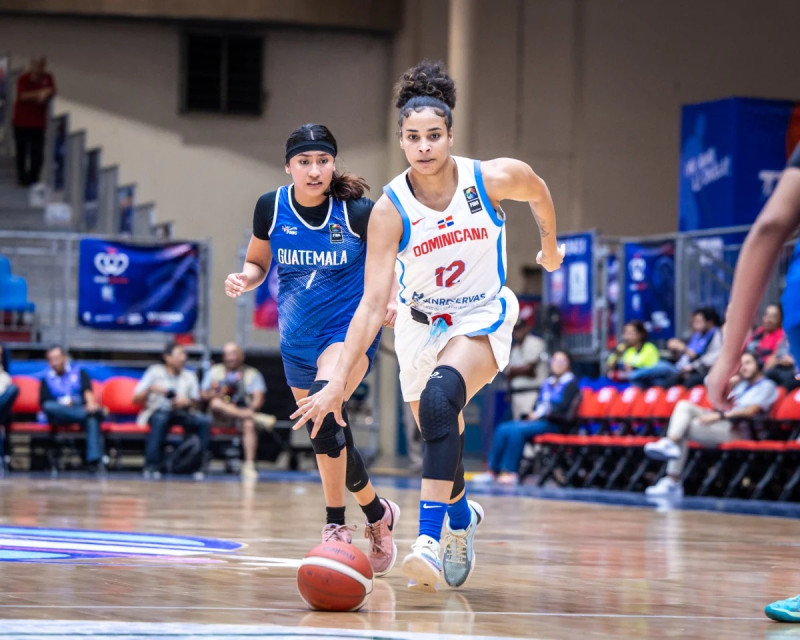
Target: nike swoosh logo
416 221
431 506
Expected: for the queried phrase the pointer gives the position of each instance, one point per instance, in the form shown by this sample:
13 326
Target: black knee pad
330 438
440 404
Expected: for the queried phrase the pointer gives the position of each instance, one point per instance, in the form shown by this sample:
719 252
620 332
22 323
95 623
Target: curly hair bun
428 78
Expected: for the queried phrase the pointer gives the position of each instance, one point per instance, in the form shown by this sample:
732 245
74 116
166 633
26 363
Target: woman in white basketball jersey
439 229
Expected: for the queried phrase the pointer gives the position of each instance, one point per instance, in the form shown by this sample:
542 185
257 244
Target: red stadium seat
645 405
622 405
697 395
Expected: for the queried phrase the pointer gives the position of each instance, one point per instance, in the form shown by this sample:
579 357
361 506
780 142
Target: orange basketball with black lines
335 576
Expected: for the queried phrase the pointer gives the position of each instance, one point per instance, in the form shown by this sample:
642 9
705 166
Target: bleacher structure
604 449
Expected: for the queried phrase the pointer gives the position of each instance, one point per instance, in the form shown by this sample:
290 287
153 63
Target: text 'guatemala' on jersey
320 271
453 259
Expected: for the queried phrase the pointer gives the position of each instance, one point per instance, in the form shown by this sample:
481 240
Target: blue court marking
34 544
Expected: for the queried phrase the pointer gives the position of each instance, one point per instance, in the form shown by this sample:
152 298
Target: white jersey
452 260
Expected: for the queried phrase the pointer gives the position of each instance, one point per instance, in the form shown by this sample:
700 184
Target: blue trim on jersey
496 325
501 267
406 223
400 280
485 196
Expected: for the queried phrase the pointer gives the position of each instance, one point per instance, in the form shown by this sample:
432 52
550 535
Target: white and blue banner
570 287
138 288
650 286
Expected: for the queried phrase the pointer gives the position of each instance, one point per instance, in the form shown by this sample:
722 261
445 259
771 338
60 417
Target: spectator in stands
171 395
525 369
781 368
554 407
66 397
694 356
765 339
235 392
633 355
35 89
753 394
8 390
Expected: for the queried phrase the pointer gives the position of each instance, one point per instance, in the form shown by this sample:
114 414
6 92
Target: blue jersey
320 272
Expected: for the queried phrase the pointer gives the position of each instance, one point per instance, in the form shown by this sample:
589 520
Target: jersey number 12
454 270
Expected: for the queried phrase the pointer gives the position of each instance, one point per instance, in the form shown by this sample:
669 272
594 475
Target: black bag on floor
187 457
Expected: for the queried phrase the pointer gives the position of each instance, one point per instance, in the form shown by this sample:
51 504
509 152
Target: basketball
335 576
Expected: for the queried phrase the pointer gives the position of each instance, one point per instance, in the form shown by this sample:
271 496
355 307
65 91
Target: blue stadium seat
5 267
14 294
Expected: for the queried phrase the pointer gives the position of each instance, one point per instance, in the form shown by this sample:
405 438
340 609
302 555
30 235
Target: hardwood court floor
546 569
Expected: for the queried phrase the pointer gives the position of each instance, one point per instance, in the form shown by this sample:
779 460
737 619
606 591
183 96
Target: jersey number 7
454 269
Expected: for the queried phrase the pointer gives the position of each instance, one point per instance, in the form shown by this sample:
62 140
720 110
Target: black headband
310 145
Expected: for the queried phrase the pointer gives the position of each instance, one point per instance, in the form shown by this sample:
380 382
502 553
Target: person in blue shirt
773 227
316 230
66 397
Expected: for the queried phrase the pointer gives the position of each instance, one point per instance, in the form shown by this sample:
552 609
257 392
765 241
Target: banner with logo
265 314
732 153
60 126
138 288
650 286
126 205
91 191
570 287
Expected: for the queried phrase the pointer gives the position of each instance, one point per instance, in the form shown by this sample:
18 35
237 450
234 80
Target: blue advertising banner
570 287
138 288
650 286
732 152
265 315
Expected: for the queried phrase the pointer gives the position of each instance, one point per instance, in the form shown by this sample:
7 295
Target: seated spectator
633 355
8 390
556 401
66 397
694 356
764 340
525 369
753 395
170 395
781 368
235 392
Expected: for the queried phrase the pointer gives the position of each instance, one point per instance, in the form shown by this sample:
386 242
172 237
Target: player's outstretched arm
385 233
760 251
254 270
509 179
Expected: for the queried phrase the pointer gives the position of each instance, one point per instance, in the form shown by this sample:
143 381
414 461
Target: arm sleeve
258 383
86 382
145 381
649 356
263 215
358 211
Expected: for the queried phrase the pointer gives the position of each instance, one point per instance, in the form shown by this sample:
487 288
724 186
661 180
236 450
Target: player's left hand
718 381
391 313
316 407
552 261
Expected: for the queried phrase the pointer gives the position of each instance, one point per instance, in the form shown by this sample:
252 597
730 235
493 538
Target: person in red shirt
35 89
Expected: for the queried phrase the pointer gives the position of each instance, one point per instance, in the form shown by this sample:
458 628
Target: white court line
535 614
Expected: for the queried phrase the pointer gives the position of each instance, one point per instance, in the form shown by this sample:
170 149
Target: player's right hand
549 261
235 284
718 383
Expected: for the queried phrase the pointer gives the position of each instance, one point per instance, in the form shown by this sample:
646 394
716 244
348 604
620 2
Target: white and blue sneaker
784 610
459 552
422 566
666 487
662 449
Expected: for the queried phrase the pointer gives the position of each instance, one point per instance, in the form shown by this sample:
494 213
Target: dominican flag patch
447 222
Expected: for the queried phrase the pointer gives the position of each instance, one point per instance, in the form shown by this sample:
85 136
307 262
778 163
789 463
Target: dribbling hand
549 261
316 407
717 382
235 284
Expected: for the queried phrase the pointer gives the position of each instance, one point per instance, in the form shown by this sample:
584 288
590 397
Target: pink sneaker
382 549
337 533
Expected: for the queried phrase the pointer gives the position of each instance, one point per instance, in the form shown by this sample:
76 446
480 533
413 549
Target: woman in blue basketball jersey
439 231
776 223
315 229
